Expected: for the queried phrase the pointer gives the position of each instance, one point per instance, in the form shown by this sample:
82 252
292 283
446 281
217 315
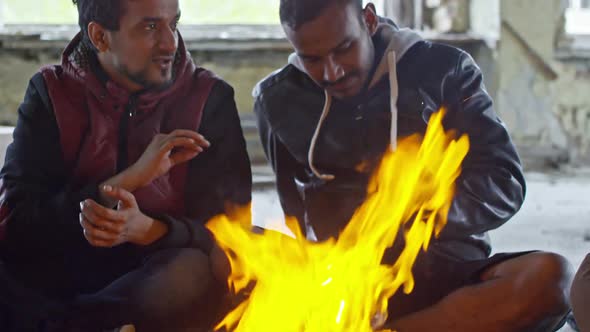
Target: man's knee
186 271
544 285
180 278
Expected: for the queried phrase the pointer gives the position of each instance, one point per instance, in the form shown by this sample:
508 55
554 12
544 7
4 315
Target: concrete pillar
527 93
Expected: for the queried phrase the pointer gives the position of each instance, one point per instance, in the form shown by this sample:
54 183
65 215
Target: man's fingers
183 143
125 197
189 134
103 224
95 211
183 155
94 234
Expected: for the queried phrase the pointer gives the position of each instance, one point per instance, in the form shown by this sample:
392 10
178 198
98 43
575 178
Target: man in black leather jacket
328 111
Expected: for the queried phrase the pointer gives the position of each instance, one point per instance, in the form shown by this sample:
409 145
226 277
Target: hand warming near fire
105 227
164 152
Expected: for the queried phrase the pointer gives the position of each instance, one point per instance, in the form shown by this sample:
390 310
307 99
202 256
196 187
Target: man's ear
370 17
98 36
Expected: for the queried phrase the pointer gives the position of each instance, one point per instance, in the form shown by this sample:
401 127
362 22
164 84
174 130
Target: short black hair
107 13
295 13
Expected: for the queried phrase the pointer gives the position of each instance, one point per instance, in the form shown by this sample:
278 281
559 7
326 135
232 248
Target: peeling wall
241 69
544 101
16 68
573 107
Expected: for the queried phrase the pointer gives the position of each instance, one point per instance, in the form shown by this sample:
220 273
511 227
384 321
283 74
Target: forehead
319 36
139 9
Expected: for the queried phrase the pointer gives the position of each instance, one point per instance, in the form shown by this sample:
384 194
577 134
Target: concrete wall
544 100
241 66
241 69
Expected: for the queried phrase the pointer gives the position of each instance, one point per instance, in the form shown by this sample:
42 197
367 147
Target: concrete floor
555 216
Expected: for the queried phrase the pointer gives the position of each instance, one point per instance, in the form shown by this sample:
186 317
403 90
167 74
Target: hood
80 63
391 45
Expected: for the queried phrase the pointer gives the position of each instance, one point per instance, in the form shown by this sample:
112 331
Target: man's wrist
153 231
129 179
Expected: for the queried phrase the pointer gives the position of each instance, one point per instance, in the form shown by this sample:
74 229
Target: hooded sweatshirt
315 143
399 41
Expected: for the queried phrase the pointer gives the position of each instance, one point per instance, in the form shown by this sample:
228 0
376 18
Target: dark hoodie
315 144
76 128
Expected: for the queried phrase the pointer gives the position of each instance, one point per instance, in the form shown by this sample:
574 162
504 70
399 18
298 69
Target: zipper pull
131 106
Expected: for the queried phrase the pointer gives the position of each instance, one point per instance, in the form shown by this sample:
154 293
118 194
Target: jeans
172 289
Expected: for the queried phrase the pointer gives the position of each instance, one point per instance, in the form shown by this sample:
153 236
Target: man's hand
104 227
167 151
163 153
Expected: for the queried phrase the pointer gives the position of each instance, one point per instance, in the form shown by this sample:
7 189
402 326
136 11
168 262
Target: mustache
328 84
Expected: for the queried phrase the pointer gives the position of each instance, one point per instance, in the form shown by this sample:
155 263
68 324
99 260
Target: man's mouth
164 62
342 85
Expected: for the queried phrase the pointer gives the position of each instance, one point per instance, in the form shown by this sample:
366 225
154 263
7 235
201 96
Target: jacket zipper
129 113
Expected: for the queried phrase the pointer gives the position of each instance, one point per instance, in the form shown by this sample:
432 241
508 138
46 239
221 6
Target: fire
340 285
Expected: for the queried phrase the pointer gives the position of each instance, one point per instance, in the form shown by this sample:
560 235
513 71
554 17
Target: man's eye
151 26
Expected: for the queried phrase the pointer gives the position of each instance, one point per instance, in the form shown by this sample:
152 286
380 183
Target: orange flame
340 285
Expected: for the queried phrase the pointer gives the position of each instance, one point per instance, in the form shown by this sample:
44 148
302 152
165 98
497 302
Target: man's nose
168 40
332 70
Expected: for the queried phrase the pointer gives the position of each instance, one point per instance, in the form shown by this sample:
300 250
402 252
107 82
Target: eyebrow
153 18
342 43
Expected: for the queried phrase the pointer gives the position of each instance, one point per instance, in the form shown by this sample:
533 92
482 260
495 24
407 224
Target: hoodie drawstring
316 134
394 92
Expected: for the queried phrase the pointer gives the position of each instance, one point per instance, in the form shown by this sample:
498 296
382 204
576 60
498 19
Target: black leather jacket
490 189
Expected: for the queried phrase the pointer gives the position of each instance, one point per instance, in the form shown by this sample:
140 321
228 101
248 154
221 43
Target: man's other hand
166 151
105 227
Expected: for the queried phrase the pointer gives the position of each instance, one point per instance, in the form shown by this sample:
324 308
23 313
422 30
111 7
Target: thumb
125 198
183 155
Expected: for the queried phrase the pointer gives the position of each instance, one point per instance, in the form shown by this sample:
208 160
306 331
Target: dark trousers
171 289
580 296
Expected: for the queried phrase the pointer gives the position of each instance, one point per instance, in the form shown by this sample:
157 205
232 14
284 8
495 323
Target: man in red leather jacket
120 155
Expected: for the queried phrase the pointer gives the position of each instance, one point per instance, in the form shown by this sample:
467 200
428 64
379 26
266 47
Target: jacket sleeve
491 187
283 164
219 179
38 210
